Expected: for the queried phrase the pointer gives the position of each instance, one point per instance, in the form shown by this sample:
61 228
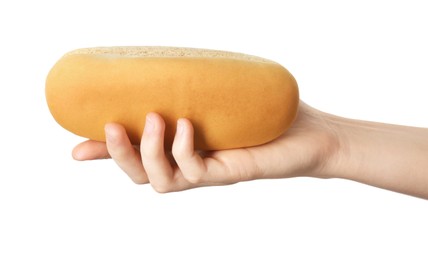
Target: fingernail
150 124
180 127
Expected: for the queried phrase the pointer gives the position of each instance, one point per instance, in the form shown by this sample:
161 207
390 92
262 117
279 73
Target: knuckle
150 153
139 180
193 178
119 154
162 188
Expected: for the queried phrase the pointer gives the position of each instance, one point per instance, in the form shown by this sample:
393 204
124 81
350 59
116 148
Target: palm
299 151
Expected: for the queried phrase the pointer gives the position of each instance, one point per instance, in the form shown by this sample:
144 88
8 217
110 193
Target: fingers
193 167
191 164
162 175
90 150
187 169
124 154
157 165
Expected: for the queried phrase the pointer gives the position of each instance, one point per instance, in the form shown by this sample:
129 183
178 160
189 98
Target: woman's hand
306 149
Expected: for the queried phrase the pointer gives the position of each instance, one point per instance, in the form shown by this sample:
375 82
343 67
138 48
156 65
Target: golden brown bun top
166 52
233 100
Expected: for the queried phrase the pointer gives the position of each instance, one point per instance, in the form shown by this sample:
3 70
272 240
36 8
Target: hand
306 149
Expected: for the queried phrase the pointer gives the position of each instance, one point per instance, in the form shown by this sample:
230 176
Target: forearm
392 157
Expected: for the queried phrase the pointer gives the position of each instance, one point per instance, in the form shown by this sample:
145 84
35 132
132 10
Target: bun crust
233 100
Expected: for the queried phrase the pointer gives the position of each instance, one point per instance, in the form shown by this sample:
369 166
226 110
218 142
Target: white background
358 59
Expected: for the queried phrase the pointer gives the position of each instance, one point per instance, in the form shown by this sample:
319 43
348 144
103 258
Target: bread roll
233 100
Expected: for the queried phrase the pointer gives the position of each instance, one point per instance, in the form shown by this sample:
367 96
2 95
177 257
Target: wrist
323 142
336 153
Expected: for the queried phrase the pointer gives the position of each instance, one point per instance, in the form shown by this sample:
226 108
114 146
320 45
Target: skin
317 145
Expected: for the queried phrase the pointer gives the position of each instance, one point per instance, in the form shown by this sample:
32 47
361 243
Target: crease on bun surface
233 100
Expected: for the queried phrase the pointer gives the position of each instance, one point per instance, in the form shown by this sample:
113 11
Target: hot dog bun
233 100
